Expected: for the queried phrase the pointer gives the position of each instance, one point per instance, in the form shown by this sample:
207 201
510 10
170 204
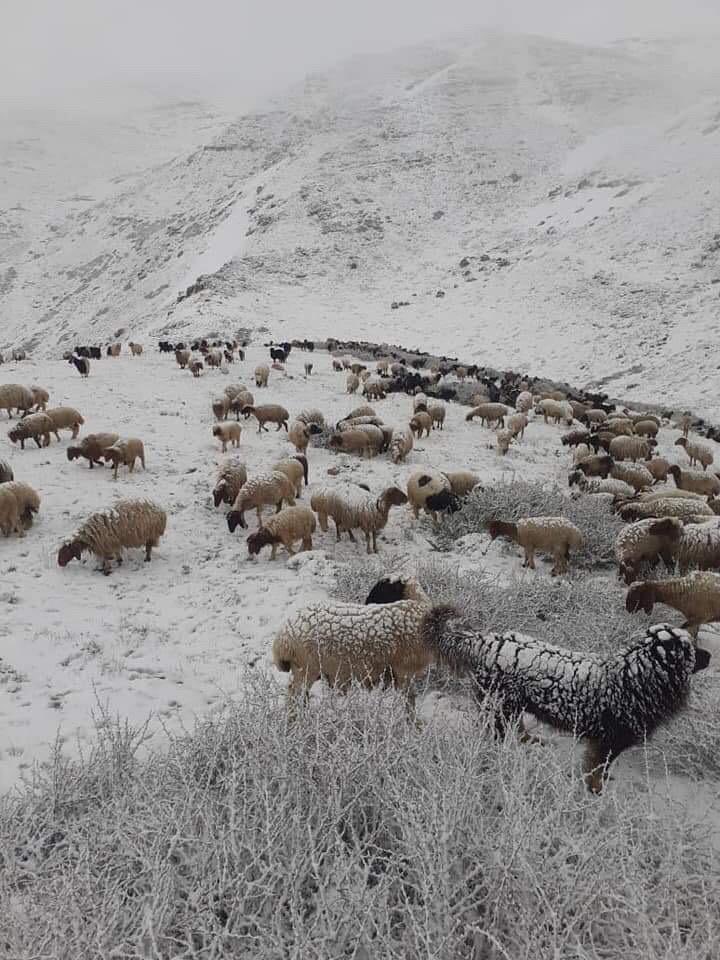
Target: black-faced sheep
92 447
262 490
706 484
36 426
286 528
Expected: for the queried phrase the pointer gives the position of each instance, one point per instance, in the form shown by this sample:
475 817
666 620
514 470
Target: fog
96 50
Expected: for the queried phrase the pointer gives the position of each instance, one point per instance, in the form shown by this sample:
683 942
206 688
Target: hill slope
535 204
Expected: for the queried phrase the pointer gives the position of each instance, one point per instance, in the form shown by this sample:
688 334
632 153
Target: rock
440 293
465 262
438 214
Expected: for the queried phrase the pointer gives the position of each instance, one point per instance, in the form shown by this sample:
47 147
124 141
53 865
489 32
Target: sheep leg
374 541
75 431
368 538
115 471
288 547
106 567
596 763
529 557
307 543
131 465
57 434
352 536
278 428
259 514
273 551
148 551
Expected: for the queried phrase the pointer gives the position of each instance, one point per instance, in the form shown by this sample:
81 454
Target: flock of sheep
397 634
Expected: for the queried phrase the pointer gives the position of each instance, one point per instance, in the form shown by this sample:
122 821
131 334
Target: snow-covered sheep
593 416
14 396
696 596
92 447
125 453
262 490
401 445
129 523
41 398
699 546
299 435
631 448
555 410
462 482
262 373
353 508
646 541
659 468
524 401
636 474
241 400
28 500
352 424
581 452
613 703
489 413
696 451
231 478
426 483
618 489
573 437
286 528
227 433
517 424
296 470
554 535
362 411
268 413
420 422
372 644
310 416
665 507
10 519
697 481
65 418
36 426
619 426
374 389
355 441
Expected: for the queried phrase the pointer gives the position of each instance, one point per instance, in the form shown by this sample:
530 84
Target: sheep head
234 519
669 527
681 442
73 453
70 551
394 497
500 528
675 471
219 493
261 538
640 596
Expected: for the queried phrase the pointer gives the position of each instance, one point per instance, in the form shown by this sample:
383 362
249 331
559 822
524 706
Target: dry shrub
347 834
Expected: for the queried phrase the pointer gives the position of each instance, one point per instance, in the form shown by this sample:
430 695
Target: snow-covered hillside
532 203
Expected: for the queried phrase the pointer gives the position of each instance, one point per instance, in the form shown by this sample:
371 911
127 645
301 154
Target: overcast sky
246 48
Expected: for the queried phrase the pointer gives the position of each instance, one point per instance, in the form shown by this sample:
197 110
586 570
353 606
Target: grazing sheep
312 416
374 389
419 423
221 406
581 452
696 597
238 403
371 644
613 703
262 373
227 433
619 427
342 425
196 368
65 418
555 410
353 508
355 441
296 470
231 478
41 398
437 413
401 445
516 425
631 448
666 507
364 411
286 528
706 484
597 465
10 520
262 490
636 474
699 546
659 468
299 435
214 358
696 451
352 382
6 473
13 396
424 484
462 482
125 452
647 541
646 428
129 523
573 437
268 413
489 413
36 426
618 489
182 358
555 535
136 349
92 447
28 500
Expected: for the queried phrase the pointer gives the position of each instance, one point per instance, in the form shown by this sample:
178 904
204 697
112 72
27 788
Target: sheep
92 447
125 452
10 520
262 373
342 425
503 439
437 413
636 474
299 435
65 418
489 413
423 484
462 482
516 424
373 643
631 448
401 445
597 465
619 427
268 413
13 396
262 490
659 468
114 350
556 410
665 493
374 389
238 403
81 364
329 501
601 440
233 389
231 478
196 368
28 500
286 527
420 403
666 507
182 358
594 416
36 426
354 441
227 432
353 508
214 358
646 428
41 398
337 365
136 349
618 489
221 406
613 703
352 383
419 423
524 402
556 535
646 541
573 437
696 596
364 411
699 546
684 423
296 470
312 415
6 472
129 523
696 451
706 484
581 452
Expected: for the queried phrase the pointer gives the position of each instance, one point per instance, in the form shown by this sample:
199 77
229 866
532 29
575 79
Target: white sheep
262 490
556 535
696 596
296 470
684 509
524 401
437 412
125 453
10 520
516 425
696 451
262 373
227 433
630 448
646 541
401 445
13 396
555 410
28 500
489 413
129 523
699 546
696 481
353 508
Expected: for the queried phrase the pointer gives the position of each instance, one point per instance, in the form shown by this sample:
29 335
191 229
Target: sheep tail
302 460
456 649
